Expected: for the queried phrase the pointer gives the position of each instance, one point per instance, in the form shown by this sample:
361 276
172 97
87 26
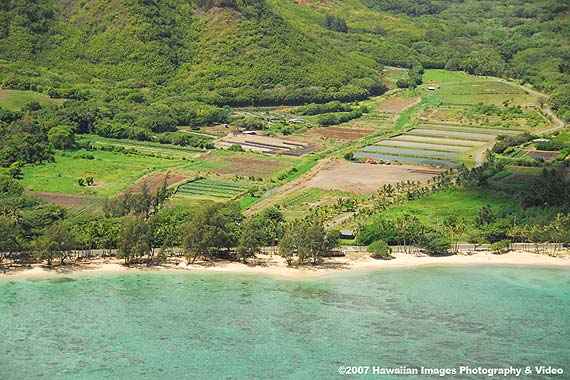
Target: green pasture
479 87
488 92
462 202
247 201
14 100
443 76
565 137
151 148
112 172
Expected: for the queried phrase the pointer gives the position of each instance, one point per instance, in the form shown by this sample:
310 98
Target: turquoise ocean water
189 326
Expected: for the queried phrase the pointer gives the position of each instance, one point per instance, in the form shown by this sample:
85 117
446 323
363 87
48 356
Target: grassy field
112 172
457 88
298 204
14 100
465 116
464 203
467 93
565 137
146 147
443 76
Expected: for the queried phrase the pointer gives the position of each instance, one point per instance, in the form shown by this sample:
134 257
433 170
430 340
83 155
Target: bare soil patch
452 134
419 145
269 145
542 155
250 167
396 104
366 178
69 201
438 140
154 181
340 133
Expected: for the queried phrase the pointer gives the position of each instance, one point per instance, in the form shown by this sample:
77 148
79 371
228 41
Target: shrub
551 145
434 244
317 109
380 230
501 246
250 123
336 23
510 141
380 250
338 118
236 148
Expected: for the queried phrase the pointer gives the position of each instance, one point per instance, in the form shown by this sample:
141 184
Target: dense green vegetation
525 40
480 210
214 51
97 94
138 227
273 52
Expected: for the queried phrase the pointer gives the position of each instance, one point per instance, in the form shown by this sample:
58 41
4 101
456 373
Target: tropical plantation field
284 189
364 125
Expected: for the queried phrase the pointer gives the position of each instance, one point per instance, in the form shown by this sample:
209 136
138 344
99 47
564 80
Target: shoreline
276 267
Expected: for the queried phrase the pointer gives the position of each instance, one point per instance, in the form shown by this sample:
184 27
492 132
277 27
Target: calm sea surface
189 326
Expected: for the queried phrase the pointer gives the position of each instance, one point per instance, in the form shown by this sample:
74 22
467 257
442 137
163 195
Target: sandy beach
275 266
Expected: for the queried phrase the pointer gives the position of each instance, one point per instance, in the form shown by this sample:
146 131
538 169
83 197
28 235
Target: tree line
543 216
138 230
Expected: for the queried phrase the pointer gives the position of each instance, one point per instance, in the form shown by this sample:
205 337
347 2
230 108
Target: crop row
410 152
212 183
212 188
414 160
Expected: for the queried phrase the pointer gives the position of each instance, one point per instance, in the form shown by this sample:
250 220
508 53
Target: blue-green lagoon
188 326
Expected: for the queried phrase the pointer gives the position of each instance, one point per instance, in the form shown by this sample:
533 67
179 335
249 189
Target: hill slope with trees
222 52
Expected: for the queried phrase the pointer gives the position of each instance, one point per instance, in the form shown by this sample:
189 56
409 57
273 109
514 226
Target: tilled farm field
542 155
367 179
419 145
452 134
207 188
340 133
413 160
461 128
396 104
410 152
433 144
438 140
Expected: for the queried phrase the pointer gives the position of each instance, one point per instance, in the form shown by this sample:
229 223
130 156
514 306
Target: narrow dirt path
291 187
560 124
338 220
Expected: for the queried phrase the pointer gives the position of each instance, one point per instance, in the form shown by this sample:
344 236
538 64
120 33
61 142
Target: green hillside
235 52
261 52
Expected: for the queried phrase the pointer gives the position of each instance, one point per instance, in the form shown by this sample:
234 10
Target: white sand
276 266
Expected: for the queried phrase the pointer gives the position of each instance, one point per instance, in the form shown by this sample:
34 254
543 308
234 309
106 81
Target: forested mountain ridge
216 51
525 40
264 52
